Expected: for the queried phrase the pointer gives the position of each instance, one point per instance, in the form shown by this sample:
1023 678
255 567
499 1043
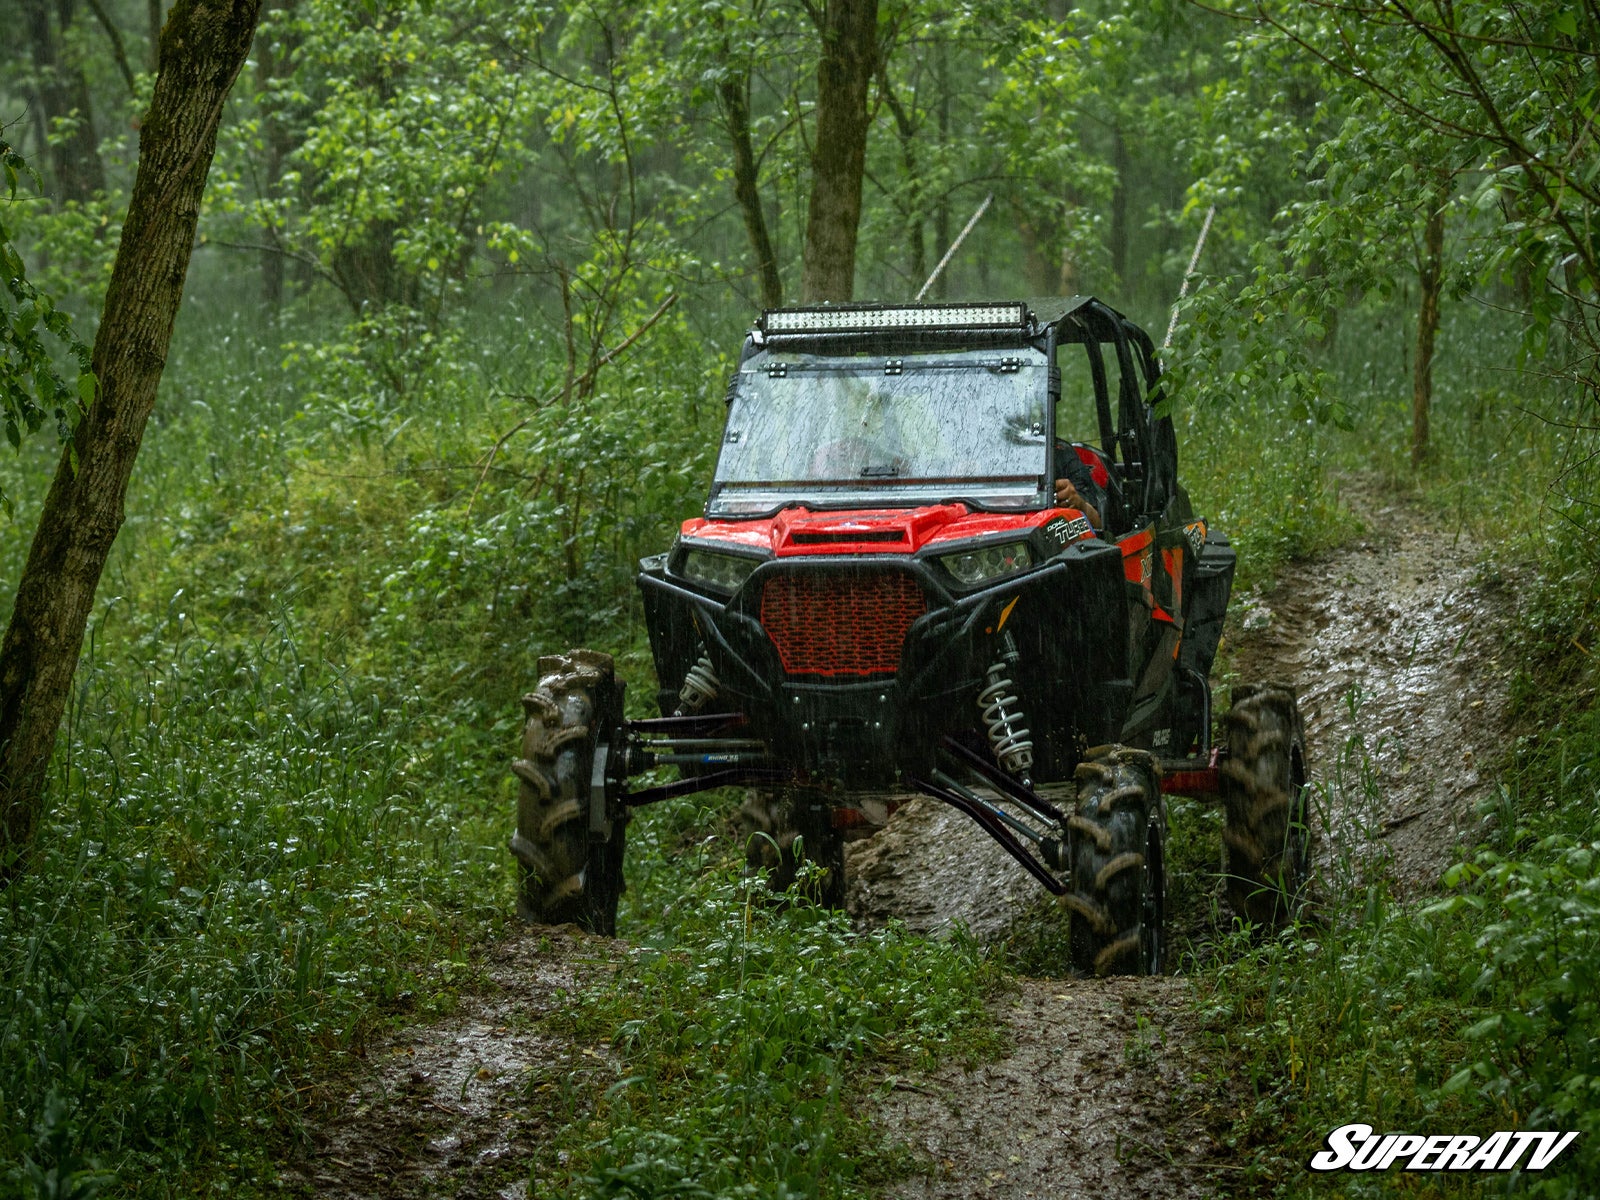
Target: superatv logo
1357 1148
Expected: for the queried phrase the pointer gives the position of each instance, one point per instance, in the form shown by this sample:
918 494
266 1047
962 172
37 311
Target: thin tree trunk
941 212
734 92
274 56
63 94
849 59
205 45
154 16
906 129
1119 206
1430 276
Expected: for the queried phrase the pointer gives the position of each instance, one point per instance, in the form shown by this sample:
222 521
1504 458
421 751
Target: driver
1075 485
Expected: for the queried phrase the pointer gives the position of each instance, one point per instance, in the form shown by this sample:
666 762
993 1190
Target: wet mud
458 1106
1105 1094
1396 645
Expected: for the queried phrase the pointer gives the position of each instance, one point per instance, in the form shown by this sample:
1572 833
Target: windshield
837 432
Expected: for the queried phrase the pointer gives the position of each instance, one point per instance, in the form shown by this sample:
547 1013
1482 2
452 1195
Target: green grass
742 1031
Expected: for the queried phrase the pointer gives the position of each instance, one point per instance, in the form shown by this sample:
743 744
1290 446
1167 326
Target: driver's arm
1074 485
1070 497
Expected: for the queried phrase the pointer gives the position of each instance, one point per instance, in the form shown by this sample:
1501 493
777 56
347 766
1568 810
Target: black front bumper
1067 620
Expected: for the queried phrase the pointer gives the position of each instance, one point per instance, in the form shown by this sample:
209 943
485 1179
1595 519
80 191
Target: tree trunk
274 54
204 45
839 153
1119 207
941 212
906 128
63 94
1430 276
734 93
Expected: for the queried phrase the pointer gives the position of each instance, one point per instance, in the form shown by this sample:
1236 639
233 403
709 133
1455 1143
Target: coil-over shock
700 688
1003 719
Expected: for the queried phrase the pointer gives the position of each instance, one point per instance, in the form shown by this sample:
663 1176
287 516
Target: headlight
988 562
719 572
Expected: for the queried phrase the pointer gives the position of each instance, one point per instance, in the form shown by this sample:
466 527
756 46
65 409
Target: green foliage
398 117
31 384
736 1041
254 854
282 798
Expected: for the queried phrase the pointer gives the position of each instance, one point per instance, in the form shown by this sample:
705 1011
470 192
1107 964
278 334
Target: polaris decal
1358 1148
1063 530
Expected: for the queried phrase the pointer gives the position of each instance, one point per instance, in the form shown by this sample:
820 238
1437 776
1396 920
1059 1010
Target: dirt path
1393 643
1106 1094
456 1107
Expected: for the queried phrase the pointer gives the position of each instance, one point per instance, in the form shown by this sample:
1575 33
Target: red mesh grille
840 624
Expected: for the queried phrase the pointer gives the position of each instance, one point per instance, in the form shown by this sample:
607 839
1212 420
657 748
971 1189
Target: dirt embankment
1394 643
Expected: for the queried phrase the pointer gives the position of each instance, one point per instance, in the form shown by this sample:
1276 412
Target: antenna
1194 260
954 246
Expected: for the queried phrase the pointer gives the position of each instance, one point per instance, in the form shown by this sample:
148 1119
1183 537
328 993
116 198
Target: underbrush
252 857
278 816
741 1033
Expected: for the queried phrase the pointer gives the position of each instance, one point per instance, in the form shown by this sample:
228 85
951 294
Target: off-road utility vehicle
884 595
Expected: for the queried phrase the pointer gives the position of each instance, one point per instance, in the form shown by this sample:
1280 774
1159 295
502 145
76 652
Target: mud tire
1263 782
1116 844
565 874
771 821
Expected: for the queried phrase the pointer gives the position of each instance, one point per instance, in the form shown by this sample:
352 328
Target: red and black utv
885 594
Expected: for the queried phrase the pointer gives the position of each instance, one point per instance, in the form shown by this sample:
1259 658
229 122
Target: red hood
871 531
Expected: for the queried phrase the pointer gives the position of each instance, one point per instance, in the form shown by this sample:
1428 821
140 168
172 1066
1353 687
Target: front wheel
1116 844
569 872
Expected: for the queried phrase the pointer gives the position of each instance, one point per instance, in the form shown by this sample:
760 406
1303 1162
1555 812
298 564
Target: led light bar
868 318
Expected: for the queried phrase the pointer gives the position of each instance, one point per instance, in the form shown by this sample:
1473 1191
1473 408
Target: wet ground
1106 1094
1394 644
456 1106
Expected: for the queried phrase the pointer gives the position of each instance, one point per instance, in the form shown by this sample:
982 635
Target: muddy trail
1393 643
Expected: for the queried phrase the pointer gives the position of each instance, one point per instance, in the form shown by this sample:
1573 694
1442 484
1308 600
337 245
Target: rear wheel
568 873
1263 783
1116 844
772 822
